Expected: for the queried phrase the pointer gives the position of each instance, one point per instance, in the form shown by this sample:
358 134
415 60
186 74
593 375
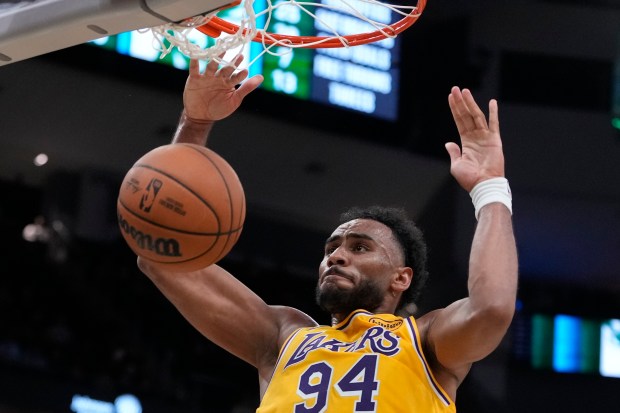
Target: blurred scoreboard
364 79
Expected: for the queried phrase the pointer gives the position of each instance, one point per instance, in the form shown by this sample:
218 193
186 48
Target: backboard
30 28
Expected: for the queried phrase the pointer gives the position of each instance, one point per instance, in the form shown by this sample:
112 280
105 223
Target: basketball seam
188 259
219 171
228 191
198 196
234 218
181 231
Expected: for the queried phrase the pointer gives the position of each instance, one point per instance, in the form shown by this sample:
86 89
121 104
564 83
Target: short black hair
410 238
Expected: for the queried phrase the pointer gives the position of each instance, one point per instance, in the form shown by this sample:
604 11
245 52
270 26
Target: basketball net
375 15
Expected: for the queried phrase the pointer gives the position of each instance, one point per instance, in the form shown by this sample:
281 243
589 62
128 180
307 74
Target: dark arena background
82 330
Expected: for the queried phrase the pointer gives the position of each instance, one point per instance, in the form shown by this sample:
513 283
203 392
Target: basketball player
369 359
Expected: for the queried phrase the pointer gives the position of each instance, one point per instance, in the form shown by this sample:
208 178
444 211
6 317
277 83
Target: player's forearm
211 299
493 266
190 131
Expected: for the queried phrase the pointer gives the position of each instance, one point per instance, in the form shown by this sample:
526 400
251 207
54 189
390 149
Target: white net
171 35
337 23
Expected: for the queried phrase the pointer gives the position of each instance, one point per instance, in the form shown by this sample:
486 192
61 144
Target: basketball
181 206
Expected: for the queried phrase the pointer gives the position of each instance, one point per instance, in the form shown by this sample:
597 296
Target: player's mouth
333 274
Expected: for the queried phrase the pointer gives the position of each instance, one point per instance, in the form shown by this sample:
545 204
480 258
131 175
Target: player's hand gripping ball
181 206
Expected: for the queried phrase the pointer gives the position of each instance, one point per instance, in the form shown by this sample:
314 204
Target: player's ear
402 279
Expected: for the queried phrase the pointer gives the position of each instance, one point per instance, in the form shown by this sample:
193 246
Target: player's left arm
470 329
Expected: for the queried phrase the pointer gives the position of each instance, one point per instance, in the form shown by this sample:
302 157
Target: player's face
360 258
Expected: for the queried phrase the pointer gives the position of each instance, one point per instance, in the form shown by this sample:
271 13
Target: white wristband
489 191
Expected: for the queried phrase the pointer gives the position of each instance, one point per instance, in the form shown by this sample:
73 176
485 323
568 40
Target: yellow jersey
367 363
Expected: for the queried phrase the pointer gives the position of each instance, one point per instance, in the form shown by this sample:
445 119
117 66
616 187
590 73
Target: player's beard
367 296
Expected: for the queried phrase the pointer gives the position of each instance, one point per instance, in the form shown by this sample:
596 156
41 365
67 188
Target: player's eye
330 249
360 248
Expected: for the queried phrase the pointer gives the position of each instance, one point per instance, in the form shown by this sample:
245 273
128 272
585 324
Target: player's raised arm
212 300
470 329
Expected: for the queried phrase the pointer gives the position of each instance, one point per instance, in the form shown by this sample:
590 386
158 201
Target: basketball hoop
330 16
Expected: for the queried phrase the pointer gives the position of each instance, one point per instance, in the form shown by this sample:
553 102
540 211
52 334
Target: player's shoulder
290 318
425 321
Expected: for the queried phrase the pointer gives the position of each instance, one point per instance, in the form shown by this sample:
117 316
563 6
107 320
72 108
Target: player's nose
339 256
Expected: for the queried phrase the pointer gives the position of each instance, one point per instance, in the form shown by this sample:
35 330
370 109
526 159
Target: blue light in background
566 344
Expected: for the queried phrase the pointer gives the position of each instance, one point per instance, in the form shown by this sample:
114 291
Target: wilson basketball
181 206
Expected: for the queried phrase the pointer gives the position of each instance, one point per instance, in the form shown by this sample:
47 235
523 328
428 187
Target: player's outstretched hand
480 156
218 92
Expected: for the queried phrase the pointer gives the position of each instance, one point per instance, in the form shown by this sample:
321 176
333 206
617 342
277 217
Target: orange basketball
181 206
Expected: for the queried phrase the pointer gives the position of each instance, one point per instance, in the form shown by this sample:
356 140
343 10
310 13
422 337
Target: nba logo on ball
148 198
181 206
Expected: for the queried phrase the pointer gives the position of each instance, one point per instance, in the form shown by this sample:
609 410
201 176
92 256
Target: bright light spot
127 403
101 41
142 46
35 232
30 232
41 159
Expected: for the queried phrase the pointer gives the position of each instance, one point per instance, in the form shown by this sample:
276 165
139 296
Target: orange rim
216 26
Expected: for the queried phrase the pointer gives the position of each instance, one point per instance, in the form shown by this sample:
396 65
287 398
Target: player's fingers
249 85
229 70
454 151
212 67
493 116
238 59
239 76
477 116
457 109
193 67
